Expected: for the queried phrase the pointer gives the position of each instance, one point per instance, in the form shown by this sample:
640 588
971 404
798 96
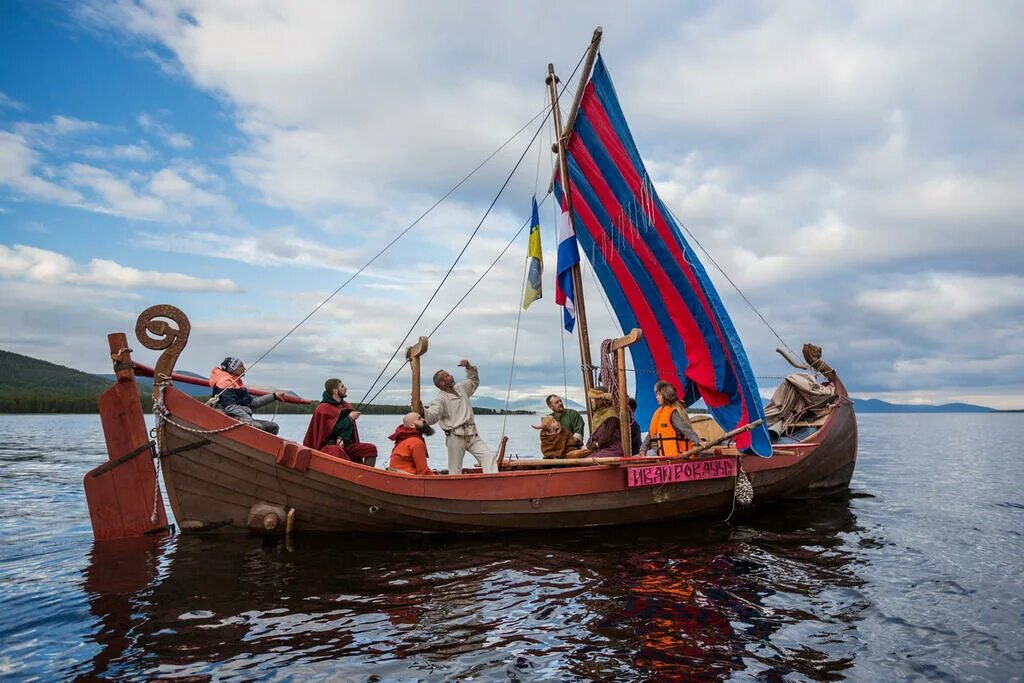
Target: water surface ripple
916 575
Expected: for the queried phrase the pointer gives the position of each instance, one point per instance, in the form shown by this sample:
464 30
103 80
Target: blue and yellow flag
535 268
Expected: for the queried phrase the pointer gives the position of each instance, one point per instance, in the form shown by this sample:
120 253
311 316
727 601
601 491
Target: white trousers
459 445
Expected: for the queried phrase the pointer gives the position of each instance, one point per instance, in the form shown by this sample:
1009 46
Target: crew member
570 419
333 430
410 452
231 397
671 433
452 410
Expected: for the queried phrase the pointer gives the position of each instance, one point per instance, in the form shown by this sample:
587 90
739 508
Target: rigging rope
515 341
522 293
464 296
451 268
400 235
486 213
729 279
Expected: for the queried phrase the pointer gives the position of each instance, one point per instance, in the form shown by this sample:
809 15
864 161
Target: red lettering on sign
653 475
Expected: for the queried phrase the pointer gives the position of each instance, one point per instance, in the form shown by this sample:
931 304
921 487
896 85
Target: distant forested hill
30 385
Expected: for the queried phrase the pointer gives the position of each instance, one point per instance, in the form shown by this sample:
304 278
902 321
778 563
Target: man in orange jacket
410 452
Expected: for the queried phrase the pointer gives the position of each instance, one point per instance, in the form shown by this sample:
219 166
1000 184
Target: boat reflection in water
695 599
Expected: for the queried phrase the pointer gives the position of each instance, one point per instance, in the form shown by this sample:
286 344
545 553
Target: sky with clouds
855 167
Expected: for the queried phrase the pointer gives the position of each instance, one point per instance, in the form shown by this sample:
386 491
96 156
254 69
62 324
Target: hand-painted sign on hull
681 471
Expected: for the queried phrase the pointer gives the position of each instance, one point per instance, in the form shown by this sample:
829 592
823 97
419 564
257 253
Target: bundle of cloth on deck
799 398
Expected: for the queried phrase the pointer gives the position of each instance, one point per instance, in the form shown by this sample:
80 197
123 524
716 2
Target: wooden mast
625 414
413 354
563 169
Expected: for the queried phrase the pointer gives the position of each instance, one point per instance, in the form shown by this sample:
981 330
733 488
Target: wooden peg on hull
413 354
619 346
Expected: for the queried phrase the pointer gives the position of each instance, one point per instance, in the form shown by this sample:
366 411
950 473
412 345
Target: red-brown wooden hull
213 485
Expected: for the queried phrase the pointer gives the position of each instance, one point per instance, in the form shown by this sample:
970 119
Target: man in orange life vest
333 427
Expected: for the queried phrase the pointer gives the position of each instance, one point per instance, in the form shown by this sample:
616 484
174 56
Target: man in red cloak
333 427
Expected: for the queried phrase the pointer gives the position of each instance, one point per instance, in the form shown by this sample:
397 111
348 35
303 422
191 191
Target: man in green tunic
570 419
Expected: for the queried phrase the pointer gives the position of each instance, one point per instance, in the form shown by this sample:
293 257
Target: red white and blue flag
568 256
651 275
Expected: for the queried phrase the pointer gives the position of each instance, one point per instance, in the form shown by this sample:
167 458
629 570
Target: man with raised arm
452 411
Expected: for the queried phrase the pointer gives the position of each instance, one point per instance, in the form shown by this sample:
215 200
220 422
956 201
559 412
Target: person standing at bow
452 411
333 430
671 433
233 397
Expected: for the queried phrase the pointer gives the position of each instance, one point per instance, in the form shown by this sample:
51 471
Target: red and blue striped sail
651 275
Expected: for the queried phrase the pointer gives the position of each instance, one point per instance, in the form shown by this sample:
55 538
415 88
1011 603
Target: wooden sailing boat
220 474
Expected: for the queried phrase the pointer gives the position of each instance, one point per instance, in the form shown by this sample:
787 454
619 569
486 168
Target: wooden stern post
619 346
413 354
122 494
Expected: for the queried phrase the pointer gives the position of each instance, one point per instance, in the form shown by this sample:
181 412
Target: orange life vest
663 434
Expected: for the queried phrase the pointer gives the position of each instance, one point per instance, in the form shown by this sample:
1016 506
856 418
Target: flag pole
577 279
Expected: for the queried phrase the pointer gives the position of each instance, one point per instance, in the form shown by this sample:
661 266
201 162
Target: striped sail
651 275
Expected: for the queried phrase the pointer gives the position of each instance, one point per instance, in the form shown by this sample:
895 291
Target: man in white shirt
452 411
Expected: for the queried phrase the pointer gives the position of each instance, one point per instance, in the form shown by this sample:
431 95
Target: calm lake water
917 575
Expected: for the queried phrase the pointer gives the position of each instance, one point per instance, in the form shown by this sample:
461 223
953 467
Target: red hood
404 432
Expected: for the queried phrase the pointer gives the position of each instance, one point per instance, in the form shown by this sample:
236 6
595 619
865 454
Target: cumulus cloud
134 152
117 195
171 138
36 265
46 134
18 171
8 102
281 247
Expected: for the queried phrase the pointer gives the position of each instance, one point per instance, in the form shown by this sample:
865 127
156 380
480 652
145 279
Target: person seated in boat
451 409
410 452
636 440
555 440
671 433
570 420
233 397
333 430
605 435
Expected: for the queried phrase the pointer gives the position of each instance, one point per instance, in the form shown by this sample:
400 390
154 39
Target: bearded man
333 430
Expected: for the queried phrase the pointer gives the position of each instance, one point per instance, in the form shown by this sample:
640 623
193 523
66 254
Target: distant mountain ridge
874 405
